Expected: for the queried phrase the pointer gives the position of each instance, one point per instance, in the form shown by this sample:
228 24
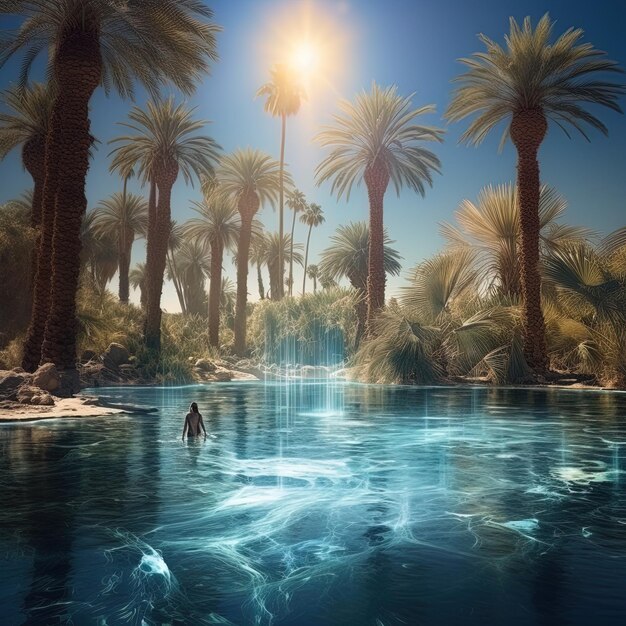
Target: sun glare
305 57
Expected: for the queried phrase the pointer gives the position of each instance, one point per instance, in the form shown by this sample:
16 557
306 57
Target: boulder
205 365
222 375
10 382
28 394
46 377
115 355
312 371
88 355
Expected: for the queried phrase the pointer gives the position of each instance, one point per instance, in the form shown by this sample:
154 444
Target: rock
69 383
88 355
311 371
115 355
28 394
10 382
19 370
222 375
46 377
205 365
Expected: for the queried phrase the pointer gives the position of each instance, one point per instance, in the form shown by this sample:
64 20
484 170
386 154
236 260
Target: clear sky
414 44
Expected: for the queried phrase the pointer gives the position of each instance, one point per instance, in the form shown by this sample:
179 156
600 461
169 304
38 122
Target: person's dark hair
193 408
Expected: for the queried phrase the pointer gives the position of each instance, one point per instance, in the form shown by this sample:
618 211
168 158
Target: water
320 504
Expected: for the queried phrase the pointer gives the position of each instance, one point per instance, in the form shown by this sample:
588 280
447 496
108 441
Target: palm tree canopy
137 276
166 132
247 171
189 259
29 110
530 73
217 222
296 201
272 247
121 213
379 127
284 92
312 271
154 43
348 254
313 215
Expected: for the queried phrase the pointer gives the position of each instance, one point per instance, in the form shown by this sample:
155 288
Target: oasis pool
320 504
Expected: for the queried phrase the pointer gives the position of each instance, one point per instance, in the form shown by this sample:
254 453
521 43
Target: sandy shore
84 406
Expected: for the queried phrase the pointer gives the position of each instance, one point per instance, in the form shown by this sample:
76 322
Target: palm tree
258 253
284 97
98 252
217 228
524 85
187 267
313 216
26 124
122 216
491 227
92 43
274 249
376 139
165 144
250 178
297 203
348 257
312 272
137 279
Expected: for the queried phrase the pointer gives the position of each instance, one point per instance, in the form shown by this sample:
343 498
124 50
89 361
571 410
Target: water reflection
320 504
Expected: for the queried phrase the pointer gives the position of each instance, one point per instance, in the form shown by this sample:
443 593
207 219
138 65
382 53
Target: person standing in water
193 422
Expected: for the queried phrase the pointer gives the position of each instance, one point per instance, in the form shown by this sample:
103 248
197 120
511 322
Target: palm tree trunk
528 128
43 273
165 179
376 179
180 292
126 246
215 287
78 67
281 180
314 284
306 259
361 316
33 158
293 227
248 206
259 279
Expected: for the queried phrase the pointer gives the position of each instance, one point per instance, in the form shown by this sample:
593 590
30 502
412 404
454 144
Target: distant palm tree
98 252
524 85
491 227
188 266
92 43
312 272
122 217
348 257
250 178
376 139
137 279
284 97
26 124
257 257
297 203
165 144
217 228
273 252
313 216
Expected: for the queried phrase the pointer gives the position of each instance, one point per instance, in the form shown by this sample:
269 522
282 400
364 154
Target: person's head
193 408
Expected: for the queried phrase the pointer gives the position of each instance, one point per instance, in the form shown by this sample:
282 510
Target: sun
305 57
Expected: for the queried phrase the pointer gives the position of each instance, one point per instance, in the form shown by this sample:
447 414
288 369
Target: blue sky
414 44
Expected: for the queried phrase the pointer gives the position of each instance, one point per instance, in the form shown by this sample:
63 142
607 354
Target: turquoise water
320 504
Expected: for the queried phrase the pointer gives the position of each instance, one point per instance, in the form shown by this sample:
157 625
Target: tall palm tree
92 43
165 144
297 203
217 228
123 216
376 139
250 178
274 249
137 280
284 97
312 272
313 217
26 124
258 253
524 85
348 257
491 227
